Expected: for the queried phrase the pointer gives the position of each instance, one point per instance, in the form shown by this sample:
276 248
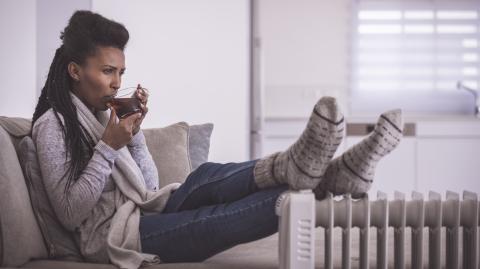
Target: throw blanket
131 196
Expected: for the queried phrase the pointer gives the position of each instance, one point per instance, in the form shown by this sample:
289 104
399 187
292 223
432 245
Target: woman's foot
303 164
354 170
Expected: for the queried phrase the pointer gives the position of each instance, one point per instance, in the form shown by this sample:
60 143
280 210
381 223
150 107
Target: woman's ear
74 71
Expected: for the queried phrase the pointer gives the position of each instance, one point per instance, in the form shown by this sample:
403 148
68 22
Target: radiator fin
411 216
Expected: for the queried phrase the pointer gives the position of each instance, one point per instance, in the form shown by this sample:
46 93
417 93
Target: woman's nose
117 81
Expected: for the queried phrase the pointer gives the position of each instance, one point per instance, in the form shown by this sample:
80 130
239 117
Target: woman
103 184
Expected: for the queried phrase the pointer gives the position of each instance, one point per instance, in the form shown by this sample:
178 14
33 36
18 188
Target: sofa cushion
178 149
199 143
263 254
60 243
260 254
169 149
20 237
17 128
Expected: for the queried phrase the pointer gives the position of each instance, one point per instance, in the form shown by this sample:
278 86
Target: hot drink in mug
126 103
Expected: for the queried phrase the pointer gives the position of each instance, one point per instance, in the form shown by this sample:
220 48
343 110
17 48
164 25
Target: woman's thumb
113 116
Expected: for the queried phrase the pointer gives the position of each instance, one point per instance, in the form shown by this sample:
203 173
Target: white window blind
411 54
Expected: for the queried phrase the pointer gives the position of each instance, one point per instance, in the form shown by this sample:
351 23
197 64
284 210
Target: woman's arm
143 158
74 204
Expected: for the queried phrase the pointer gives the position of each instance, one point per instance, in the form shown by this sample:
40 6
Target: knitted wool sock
302 164
354 170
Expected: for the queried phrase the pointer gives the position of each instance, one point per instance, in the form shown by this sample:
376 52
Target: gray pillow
178 149
199 143
60 243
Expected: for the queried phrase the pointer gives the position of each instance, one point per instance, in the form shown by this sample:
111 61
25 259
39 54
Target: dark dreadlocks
84 32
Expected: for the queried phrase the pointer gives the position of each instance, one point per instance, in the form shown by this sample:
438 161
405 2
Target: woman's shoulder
48 121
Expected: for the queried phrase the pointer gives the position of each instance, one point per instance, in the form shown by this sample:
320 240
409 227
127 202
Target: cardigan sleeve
139 151
72 202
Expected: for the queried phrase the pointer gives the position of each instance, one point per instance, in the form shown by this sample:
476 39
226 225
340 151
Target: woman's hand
142 95
118 134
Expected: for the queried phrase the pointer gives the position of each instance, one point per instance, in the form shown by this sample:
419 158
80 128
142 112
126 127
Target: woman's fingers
142 94
130 120
144 109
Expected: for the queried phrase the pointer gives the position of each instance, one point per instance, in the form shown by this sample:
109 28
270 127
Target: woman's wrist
137 139
107 151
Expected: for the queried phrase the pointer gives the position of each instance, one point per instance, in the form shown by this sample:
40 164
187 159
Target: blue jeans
218 207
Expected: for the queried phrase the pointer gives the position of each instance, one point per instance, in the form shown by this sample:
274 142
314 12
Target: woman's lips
108 100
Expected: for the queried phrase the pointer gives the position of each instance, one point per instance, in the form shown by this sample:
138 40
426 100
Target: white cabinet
396 171
278 135
447 155
448 164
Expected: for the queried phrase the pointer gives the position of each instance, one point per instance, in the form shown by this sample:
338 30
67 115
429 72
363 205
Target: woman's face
99 78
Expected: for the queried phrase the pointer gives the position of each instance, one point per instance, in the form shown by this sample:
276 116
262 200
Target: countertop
446 125
407 118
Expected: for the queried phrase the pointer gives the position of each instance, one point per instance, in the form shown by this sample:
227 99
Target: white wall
30 32
305 53
17 58
50 23
193 57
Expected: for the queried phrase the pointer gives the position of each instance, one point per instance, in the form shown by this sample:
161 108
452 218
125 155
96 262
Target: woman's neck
91 108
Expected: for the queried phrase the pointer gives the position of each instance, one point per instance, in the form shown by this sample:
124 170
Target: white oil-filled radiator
300 213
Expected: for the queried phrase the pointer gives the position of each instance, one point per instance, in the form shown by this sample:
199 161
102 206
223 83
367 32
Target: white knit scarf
131 195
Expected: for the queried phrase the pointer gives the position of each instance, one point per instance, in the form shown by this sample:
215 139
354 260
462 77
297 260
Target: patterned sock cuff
263 172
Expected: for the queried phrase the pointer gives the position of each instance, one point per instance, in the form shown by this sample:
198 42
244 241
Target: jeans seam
183 225
213 180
